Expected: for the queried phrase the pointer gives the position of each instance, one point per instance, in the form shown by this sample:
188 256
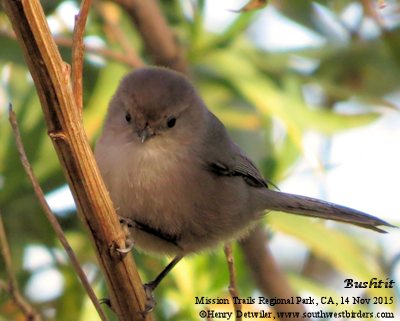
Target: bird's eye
171 122
128 117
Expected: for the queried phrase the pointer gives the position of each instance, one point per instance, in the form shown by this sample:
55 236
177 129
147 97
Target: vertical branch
69 139
12 288
78 50
51 217
232 280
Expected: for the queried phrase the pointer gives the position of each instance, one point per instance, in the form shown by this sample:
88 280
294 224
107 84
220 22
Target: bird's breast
154 185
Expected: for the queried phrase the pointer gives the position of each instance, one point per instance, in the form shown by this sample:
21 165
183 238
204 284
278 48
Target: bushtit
177 179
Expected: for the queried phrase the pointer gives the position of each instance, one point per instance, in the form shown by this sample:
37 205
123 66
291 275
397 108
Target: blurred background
309 89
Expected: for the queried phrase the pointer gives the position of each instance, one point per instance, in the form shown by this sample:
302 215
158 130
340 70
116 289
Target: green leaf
281 103
335 247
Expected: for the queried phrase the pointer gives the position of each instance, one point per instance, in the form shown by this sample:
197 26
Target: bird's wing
225 158
241 167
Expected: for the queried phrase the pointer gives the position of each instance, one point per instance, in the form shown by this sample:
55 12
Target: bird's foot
107 302
126 225
150 300
149 305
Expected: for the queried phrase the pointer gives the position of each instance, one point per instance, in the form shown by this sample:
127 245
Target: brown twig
78 50
232 280
159 40
51 217
269 277
65 129
11 287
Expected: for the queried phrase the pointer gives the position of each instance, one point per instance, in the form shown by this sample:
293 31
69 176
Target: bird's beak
145 134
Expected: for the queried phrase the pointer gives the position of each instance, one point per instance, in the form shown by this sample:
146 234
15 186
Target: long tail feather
307 206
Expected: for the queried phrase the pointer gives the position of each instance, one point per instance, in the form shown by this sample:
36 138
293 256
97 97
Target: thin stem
78 50
232 280
51 217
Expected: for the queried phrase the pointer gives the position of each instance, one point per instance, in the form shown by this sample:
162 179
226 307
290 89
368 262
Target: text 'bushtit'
177 179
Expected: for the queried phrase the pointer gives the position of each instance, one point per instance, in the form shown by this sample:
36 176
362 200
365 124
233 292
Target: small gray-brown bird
177 179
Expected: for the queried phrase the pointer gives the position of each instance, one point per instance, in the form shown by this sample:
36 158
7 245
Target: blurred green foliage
252 89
